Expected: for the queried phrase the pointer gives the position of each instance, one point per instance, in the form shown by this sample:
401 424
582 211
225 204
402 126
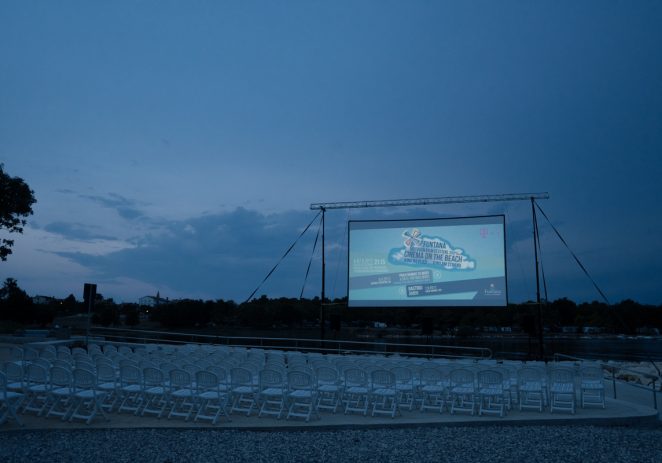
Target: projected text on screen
427 263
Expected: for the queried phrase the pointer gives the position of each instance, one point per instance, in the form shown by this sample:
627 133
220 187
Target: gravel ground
492 444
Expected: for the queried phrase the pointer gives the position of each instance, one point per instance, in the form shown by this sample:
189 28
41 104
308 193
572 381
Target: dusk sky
177 146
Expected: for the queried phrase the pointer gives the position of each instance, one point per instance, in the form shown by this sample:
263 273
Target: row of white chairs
325 382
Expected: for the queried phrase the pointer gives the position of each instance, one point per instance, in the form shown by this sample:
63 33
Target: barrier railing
615 369
302 344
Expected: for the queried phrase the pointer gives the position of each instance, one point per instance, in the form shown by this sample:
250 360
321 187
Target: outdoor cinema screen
427 263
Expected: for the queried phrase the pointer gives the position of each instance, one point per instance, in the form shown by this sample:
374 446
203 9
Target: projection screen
427 263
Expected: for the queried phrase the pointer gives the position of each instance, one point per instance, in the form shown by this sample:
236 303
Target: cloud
226 257
76 231
126 208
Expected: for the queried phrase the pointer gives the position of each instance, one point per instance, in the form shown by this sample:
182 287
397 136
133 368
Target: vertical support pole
89 293
87 327
535 252
322 320
654 395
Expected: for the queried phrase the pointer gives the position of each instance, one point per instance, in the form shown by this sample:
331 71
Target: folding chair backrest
30 354
43 363
180 378
299 380
130 374
86 365
106 372
109 349
591 373
462 377
48 354
326 375
220 372
561 375
152 377
355 377
16 354
66 356
206 380
529 375
14 372
403 374
124 350
60 377
431 376
241 377
383 379
271 378
84 379
64 350
36 374
490 378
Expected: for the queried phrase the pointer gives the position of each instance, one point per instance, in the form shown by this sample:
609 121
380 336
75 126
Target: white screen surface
427 263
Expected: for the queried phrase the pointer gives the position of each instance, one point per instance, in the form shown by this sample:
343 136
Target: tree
16 200
131 315
15 304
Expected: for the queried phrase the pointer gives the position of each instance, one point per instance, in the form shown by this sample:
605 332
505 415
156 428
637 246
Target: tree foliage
17 306
16 200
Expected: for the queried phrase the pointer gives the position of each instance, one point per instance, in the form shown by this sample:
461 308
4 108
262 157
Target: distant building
592 330
152 301
43 300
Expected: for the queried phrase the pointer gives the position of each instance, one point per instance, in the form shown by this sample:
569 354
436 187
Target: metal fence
299 344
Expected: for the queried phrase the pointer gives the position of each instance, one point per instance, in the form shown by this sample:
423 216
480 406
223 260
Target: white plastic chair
530 389
302 395
61 395
15 379
211 402
87 399
491 393
9 401
36 389
355 393
405 386
328 388
107 382
562 390
462 391
432 390
384 393
243 390
154 392
181 394
592 389
271 393
130 389
222 375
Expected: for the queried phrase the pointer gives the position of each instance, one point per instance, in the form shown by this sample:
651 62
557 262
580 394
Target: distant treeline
627 317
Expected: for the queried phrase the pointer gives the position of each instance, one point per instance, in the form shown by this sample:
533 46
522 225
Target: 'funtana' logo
419 249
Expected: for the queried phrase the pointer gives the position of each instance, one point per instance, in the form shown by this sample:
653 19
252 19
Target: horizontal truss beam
427 201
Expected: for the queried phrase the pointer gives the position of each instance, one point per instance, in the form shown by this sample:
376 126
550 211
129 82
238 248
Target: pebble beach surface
566 444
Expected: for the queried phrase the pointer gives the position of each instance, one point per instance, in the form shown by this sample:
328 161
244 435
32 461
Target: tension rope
573 255
312 254
281 259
